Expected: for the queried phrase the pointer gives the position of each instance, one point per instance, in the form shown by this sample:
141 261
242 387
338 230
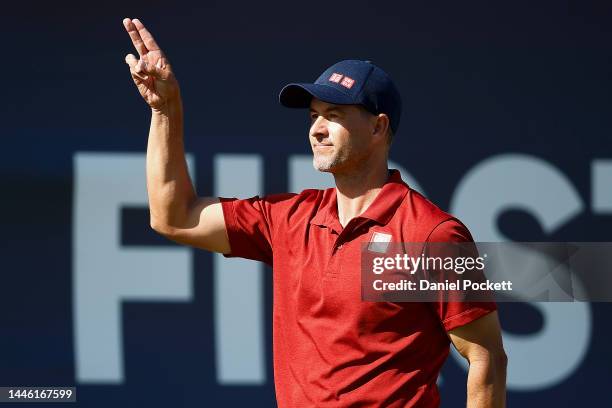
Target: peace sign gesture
151 72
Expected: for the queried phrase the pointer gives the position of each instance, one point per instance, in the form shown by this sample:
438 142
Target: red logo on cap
335 77
347 82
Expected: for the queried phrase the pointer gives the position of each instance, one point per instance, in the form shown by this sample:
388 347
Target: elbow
498 361
160 227
501 360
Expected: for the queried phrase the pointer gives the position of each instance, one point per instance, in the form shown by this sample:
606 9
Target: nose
318 129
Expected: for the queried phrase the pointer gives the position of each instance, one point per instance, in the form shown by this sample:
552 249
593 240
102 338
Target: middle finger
135 37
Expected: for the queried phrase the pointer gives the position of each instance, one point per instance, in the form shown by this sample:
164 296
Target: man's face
340 136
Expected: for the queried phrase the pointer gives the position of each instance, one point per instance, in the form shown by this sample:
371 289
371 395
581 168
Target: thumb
150 69
131 60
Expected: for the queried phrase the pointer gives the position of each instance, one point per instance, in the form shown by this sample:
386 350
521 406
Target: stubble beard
322 164
326 163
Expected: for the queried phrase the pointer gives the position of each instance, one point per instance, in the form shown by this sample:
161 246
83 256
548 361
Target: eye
313 116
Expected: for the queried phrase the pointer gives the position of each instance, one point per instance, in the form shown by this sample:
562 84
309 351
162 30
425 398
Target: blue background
478 79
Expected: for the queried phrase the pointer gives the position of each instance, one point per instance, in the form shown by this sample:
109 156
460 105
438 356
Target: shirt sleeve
456 314
250 224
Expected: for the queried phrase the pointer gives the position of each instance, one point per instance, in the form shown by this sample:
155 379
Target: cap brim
300 95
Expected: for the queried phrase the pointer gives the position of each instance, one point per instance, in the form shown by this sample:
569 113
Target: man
330 348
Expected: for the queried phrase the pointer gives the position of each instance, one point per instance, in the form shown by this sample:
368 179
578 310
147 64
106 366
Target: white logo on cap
335 77
347 82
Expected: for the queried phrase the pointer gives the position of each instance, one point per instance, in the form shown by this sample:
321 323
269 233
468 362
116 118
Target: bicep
480 338
204 227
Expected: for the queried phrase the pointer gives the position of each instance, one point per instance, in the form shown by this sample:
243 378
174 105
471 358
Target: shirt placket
352 230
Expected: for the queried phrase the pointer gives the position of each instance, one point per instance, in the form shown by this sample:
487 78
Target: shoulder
277 204
437 225
303 199
311 195
294 206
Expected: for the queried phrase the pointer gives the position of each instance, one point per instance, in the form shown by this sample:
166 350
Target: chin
326 166
323 169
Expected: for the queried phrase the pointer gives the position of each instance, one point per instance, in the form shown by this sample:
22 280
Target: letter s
507 181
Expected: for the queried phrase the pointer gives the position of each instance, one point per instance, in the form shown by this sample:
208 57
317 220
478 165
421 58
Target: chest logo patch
379 242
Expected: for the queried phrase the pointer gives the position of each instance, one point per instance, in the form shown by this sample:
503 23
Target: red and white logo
335 77
347 82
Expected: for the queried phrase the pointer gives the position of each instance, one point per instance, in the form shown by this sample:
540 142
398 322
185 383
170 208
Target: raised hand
151 72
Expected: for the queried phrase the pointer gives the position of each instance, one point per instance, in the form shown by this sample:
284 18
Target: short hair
389 129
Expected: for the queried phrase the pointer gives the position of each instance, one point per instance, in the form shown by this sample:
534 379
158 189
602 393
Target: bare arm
480 343
176 210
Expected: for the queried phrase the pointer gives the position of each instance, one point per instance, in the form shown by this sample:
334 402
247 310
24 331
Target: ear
381 125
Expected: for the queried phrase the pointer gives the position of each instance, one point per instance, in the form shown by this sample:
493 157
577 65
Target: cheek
354 141
338 134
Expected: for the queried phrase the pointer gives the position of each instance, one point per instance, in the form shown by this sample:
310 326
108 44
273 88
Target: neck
357 190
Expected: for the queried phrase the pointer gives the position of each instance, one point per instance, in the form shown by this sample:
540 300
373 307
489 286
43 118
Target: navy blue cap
349 82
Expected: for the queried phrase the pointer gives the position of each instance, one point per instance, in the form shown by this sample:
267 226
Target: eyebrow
334 109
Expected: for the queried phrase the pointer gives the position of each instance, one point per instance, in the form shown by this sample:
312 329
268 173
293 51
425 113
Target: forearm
169 186
486 387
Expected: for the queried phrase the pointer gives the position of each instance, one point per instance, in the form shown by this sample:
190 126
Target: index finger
146 36
135 37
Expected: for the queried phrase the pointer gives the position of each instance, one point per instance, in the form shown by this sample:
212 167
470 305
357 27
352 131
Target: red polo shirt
330 348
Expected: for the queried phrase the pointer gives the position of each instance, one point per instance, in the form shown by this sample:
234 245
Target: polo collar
381 210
